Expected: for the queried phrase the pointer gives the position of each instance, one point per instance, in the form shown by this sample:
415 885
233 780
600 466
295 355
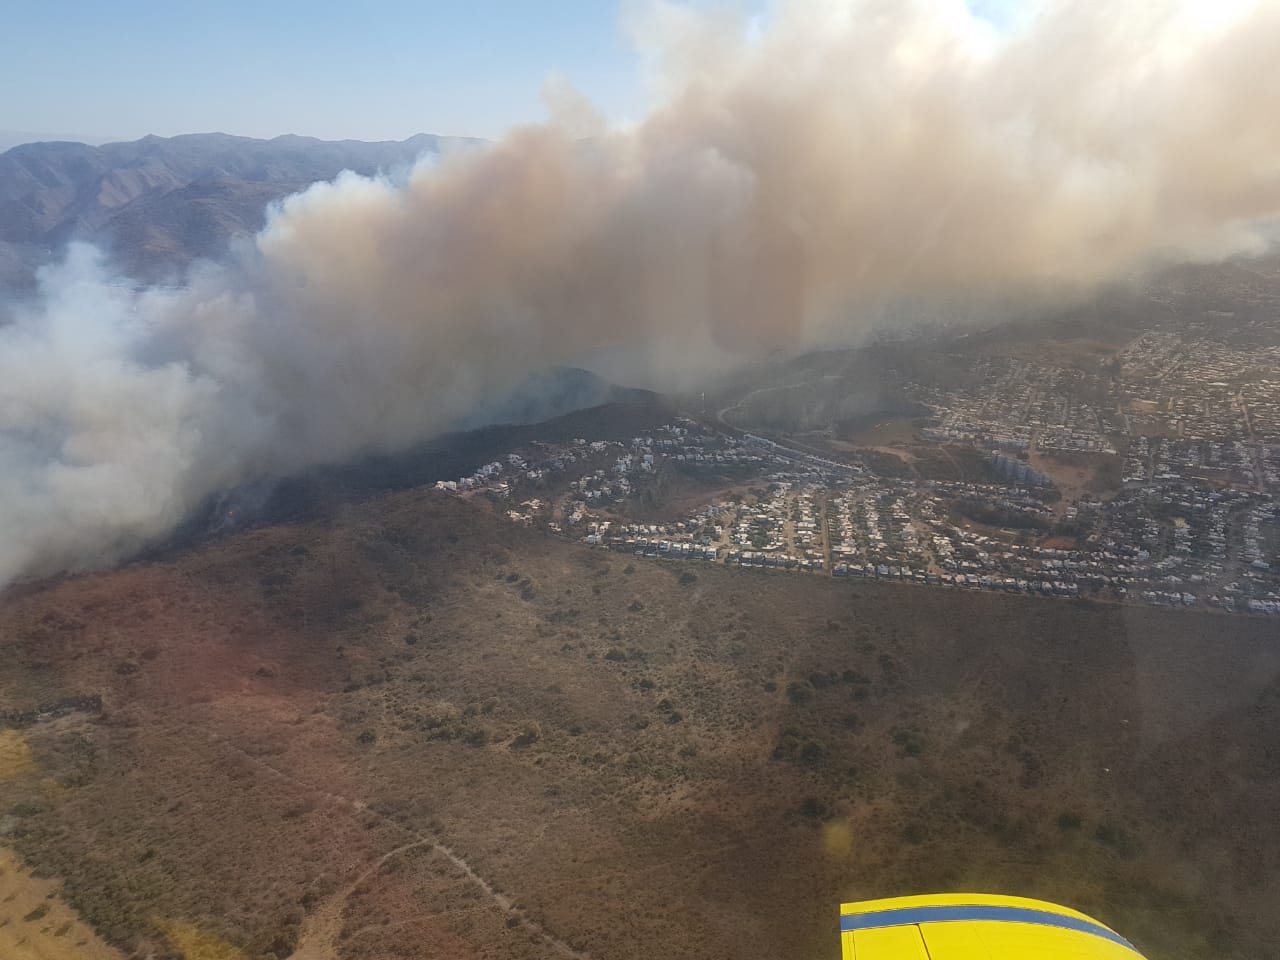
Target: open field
34 922
1081 476
884 432
414 730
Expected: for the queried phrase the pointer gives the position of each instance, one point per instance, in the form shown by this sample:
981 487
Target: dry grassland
418 731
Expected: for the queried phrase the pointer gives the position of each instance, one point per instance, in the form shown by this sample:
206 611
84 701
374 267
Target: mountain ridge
157 204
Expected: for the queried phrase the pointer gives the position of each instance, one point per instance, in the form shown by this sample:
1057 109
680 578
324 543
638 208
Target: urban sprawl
1188 430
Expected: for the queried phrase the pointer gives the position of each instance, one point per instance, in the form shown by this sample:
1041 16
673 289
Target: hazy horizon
324 70
16 138
331 72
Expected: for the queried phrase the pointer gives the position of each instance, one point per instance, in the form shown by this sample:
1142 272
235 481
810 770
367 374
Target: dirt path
320 930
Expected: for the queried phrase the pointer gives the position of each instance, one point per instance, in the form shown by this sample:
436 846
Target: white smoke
801 172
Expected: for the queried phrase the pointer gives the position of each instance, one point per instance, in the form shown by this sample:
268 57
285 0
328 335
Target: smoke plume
800 173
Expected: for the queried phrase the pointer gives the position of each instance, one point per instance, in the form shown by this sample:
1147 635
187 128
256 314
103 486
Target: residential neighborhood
1154 483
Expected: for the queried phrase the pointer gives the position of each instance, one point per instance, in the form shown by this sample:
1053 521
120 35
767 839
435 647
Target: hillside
616 413
411 729
157 203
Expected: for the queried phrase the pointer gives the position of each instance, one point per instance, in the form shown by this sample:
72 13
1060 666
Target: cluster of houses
1164 539
1014 405
1165 545
1185 407
1068 441
1175 460
782 561
882 571
783 530
666 549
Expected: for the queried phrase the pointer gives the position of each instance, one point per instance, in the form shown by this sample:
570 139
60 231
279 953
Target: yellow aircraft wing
975 926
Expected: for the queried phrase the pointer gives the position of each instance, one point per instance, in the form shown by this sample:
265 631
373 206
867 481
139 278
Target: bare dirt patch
889 432
34 922
1081 476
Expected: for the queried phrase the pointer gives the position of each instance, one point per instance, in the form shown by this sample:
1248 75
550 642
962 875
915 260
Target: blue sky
326 68
331 69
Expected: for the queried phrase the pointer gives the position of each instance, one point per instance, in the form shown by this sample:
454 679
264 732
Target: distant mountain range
15 138
156 204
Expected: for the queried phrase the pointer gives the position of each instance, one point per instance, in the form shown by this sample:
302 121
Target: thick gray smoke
799 174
